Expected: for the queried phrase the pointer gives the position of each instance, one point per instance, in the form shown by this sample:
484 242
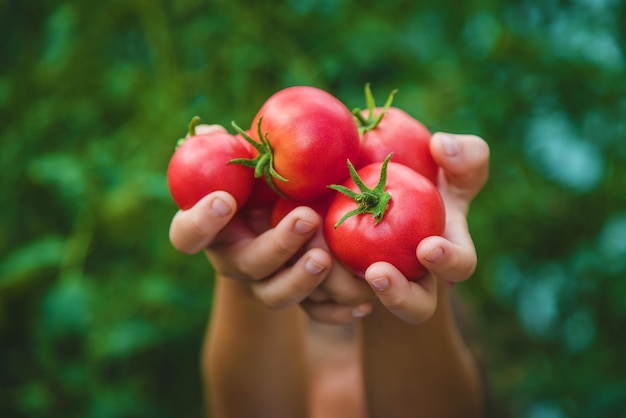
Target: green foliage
100 317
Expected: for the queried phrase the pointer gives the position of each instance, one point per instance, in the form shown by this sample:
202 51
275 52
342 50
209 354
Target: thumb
464 160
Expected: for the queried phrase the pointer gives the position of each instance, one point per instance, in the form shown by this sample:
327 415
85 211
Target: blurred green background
100 317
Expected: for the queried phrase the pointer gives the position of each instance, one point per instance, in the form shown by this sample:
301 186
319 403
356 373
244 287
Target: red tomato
409 208
284 206
262 196
304 135
200 165
396 131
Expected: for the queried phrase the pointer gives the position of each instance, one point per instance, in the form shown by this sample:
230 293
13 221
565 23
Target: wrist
231 288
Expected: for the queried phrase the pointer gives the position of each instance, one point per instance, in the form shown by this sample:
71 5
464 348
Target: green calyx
374 201
191 130
263 163
371 122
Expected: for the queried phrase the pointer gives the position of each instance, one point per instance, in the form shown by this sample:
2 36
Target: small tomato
387 130
201 165
303 137
382 214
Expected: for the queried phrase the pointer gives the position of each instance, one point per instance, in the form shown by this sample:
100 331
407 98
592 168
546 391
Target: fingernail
380 284
313 268
362 310
303 227
219 207
435 255
450 145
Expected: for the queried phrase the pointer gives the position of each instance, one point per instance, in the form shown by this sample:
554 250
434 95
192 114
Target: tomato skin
200 165
406 137
262 196
416 211
312 134
283 206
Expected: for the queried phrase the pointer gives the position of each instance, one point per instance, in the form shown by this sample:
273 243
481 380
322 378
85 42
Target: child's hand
464 161
254 254
450 259
248 250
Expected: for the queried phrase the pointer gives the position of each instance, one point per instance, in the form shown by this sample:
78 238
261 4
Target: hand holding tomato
449 258
241 245
248 251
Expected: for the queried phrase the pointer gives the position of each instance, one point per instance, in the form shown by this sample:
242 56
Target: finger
341 297
447 260
333 313
319 295
345 288
291 285
341 286
465 163
413 302
193 229
264 254
207 129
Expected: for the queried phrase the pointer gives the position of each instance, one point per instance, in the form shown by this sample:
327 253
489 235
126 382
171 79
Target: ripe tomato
389 129
283 206
407 209
200 165
262 196
303 136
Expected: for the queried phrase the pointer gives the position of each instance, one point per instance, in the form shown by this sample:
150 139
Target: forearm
254 358
423 370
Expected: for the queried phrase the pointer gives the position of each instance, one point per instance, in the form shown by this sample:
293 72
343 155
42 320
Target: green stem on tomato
370 122
263 163
191 130
193 124
374 201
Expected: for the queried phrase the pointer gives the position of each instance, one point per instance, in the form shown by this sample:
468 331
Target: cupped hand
243 247
247 250
451 258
